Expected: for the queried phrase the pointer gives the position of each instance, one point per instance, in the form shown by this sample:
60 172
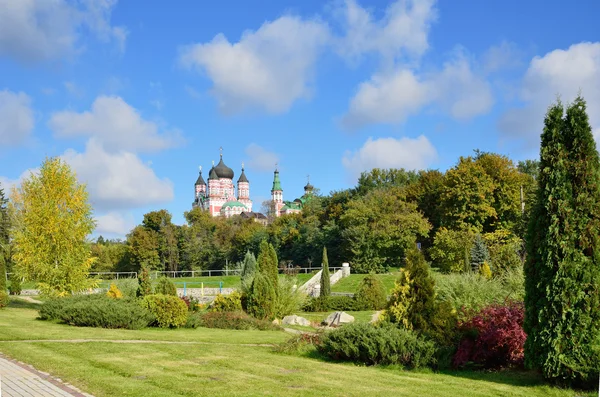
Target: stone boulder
338 318
295 320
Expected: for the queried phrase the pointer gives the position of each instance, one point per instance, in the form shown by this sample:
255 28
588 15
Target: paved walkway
20 380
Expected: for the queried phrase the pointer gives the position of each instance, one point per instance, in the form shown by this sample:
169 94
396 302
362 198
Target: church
218 196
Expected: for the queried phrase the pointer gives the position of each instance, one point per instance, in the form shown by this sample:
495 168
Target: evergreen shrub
145 285
378 345
289 299
169 311
15 284
230 320
127 286
114 292
3 299
338 303
261 299
165 286
227 303
371 294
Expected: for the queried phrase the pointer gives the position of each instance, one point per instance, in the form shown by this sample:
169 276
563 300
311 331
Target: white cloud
402 31
114 223
406 153
268 69
16 117
36 30
115 124
503 56
7 183
118 180
390 98
560 72
261 159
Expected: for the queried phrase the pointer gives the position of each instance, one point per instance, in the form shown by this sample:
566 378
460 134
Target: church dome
223 171
242 177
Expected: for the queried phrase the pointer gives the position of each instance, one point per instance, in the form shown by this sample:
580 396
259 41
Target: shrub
248 272
127 286
3 299
194 320
169 311
479 253
299 343
373 345
15 284
267 264
145 285
371 294
165 286
114 292
233 320
450 250
325 282
96 310
485 271
493 338
192 303
261 299
227 303
338 303
289 299
504 250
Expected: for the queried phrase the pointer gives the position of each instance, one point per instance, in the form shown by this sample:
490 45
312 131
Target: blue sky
136 98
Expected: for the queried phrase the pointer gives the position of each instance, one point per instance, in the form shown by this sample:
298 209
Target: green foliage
338 303
52 220
15 284
169 311
325 276
4 239
379 227
96 310
227 303
371 294
114 292
145 285
382 345
562 271
230 320
165 286
479 253
248 272
267 264
262 298
289 298
504 250
128 286
450 250
3 299
485 271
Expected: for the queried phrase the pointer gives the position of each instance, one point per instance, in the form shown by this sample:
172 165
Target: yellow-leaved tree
52 220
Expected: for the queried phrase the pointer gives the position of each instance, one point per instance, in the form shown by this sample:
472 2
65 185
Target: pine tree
562 271
479 253
248 271
325 282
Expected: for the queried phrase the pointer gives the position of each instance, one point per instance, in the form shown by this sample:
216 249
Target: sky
135 98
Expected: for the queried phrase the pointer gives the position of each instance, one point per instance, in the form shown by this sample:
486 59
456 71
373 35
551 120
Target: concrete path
21 380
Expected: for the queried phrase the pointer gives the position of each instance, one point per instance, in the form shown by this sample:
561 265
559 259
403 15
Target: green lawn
222 362
351 283
318 317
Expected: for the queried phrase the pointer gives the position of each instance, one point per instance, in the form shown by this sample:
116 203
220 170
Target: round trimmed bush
227 303
165 286
169 311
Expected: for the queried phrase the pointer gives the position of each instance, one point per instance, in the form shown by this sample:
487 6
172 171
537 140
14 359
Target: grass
224 364
361 317
350 284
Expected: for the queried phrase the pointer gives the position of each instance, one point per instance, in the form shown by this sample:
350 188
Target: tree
377 229
267 263
4 239
145 285
379 178
143 245
562 270
261 300
52 221
479 253
248 271
325 282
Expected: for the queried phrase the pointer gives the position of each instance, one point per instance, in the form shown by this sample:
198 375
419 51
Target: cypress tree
325 282
562 320
261 300
248 271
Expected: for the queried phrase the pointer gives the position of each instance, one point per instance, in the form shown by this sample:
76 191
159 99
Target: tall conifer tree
325 282
563 263
4 239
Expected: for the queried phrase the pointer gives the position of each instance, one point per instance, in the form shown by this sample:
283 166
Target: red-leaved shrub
493 337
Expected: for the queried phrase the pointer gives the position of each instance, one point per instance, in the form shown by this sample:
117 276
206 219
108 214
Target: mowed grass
227 363
350 284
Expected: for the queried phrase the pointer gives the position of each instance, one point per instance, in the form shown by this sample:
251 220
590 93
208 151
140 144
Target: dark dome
223 171
243 177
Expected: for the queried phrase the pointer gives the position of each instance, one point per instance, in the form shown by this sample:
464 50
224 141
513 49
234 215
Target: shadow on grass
18 303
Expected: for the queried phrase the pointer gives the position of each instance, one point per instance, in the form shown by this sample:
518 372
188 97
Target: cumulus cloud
562 73
267 69
118 180
406 153
402 31
261 159
114 223
115 124
502 56
390 98
16 117
38 30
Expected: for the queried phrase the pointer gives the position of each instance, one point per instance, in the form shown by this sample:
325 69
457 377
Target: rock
295 320
375 317
276 322
338 318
